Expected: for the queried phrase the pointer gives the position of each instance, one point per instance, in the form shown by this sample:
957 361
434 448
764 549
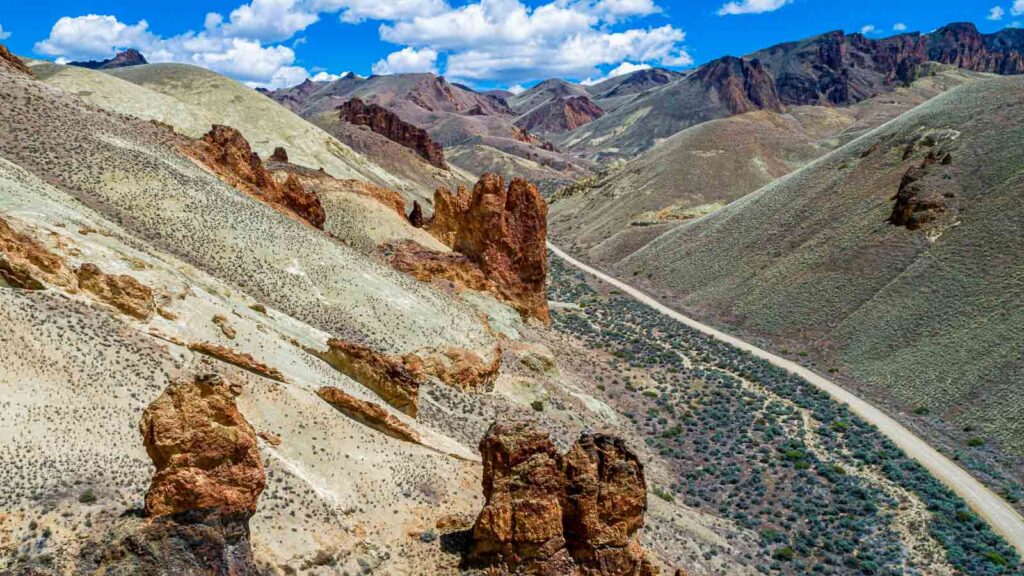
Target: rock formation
503 231
389 377
206 454
209 476
227 153
368 414
129 57
549 514
388 124
605 503
120 291
239 359
960 44
916 201
26 264
457 367
520 526
416 215
279 155
428 265
741 85
12 62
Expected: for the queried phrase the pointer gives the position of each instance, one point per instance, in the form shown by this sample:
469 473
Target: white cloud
868 29
624 68
407 60
516 89
325 76
268 20
355 11
93 36
751 7
1018 8
899 27
4 34
996 13
507 40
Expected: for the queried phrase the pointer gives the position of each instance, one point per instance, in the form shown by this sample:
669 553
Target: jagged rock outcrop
605 503
561 115
546 513
389 377
916 201
129 57
227 153
416 215
120 291
206 454
428 265
368 414
209 476
235 358
12 62
26 264
503 231
279 155
961 44
520 526
741 85
388 124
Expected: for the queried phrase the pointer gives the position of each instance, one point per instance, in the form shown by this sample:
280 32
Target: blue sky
485 43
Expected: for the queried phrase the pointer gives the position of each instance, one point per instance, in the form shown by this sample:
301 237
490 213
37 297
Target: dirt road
999 514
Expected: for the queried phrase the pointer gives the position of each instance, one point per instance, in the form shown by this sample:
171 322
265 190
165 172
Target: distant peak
123 59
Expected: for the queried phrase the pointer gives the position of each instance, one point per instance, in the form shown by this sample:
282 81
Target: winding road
996 511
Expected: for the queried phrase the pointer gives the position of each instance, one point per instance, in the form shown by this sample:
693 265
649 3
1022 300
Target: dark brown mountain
962 45
129 57
388 124
560 115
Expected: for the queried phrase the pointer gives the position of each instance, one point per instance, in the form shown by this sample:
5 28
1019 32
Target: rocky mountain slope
453 115
130 57
703 168
832 69
890 259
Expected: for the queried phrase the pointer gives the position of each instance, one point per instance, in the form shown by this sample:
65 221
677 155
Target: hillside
894 257
702 168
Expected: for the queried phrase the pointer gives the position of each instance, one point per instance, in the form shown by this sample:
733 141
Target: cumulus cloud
1018 8
868 29
624 68
407 60
507 40
996 13
502 40
751 7
899 27
4 35
517 89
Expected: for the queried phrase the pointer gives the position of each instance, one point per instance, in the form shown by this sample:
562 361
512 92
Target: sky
507 44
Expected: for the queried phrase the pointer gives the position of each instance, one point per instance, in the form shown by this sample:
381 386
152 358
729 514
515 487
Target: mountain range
319 330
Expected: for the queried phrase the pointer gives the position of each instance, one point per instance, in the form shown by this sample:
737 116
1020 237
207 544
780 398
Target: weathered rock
129 57
549 514
26 264
503 231
279 155
206 454
919 200
606 497
193 543
428 265
368 414
12 62
520 526
388 124
457 367
416 215
270 438
389 377
960 44
120 291
239 359
227 153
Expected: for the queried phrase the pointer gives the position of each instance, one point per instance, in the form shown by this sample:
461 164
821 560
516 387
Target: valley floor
891 474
